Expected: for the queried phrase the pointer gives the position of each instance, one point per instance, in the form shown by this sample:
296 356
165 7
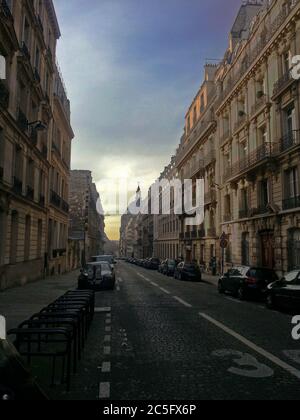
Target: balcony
260 103
191 139
22 121
290 140
34 137
4 95
187 235
197 167
30 193
255 158
194 234
55 199
283 83
17 186
291 203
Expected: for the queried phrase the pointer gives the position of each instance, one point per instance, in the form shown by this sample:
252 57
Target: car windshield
172 263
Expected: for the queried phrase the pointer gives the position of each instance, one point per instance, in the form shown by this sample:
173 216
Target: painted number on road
249 366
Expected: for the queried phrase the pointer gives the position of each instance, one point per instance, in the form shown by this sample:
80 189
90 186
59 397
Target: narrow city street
156 338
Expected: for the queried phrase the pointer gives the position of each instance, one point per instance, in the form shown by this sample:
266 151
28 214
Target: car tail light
251 280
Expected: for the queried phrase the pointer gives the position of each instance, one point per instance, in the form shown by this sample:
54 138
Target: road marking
102 310
154 284
165 291
107 329
275 360
120 280
104 390
143 277
182 301
233 300
107 350
107 338
106 367
108 321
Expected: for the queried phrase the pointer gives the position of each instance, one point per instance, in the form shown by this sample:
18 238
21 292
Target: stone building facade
86 232
28 35
167 226
242 136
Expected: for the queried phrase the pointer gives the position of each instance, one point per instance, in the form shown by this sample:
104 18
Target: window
244 199
37 59
245 249
286 62
26 33
2 151
264 193
290 120
291 183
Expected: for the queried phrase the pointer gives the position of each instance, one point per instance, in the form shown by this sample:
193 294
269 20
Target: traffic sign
224 243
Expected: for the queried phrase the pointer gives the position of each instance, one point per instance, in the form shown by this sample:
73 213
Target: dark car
187 271
169 267
105 258
244 281
161 267
285 293
97 276
153 264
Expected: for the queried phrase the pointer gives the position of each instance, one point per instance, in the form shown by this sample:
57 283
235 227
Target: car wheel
180 277
270 301
221 289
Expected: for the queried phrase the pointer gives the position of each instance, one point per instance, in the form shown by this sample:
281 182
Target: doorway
267 249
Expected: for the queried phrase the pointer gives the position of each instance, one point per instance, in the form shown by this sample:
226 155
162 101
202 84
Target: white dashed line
165 291
107 329
120 280
107 338
104 390
154 284
106 367
182 302
275 360
233 300
108 321
107 350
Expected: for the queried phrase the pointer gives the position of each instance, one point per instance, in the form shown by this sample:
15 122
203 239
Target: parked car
161 267
187 271
105 258
153 264
169 267
285 293
97 276
245 281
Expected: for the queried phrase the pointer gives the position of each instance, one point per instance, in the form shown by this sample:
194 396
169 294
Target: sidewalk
18 304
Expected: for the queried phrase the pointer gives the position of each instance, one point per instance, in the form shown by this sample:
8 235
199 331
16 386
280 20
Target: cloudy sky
131 68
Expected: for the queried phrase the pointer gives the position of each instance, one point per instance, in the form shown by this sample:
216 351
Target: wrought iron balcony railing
283 82
227 217
244 213
258 156
291 203
55 199
22 121
259 104
5 9
212 232
290 140
25 50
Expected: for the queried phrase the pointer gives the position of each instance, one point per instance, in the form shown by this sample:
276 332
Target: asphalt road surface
156 338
